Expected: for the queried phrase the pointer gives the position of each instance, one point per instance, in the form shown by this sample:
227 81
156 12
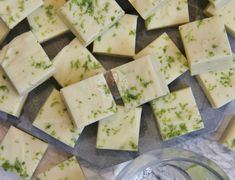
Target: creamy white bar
226 13
206 50
120 39
228 138
67 170
177 114
172 13
75 63
25 63
173 62
14 11
90 19
21 153
147 7
10 101
219 86
45 23
219 3
140 81
53 119
4 30
111 130
89 101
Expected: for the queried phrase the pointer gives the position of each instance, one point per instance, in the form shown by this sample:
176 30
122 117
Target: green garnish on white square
120 39
173 62
21 153
206 50
120 131
177 114
67 170
13 12
140 81
25 63
89 101
75 63
90 19
45 23
172 13
53 119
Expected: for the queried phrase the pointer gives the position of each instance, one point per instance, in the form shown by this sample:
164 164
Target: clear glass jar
172 164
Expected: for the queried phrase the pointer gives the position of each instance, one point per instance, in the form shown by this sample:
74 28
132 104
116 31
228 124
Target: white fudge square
172 13
89 101
67 170
206 50
173 62
112 131
90 19
45 23
147 7
219 3
25 63
53 119
228 138
14 11
120 39
137 85
4 30
226 13
177 114
219 86
21 153
10 101
75 63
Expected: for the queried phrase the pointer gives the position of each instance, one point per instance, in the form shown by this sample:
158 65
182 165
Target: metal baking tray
149 136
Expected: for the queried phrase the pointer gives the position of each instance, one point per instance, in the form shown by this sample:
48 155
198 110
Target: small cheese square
120 39
147 7
45 23
173 62
14 11
219 3
25 63
226 13
53 118
219 86
4 30
10 101
89 101
90 19
111 130
172 13
67 170
75 63
206 50
21 153
137 85
177 114
228 138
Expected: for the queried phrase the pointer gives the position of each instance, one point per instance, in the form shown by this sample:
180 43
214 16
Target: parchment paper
149 136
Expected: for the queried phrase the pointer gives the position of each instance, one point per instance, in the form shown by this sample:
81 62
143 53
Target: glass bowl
172 164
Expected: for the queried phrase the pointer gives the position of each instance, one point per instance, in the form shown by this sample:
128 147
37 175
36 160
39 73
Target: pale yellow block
21 150
53 119
173 62
75 63
4 30
25 63
45 23
119 40
112 131
206 50
14 11
172 13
